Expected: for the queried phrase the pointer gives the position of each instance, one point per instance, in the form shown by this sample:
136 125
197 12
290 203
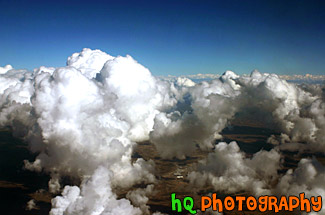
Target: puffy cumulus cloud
16 86
198 119
94 196
16 89
316 111
139 197
81 126
5 69
89 62
136 88
299 112
204 110
183 81
308 177
227 170
83 121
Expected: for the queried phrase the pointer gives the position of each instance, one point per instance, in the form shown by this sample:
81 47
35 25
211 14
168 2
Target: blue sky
169 37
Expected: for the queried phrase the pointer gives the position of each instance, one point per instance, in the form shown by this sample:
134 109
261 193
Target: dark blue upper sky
169 37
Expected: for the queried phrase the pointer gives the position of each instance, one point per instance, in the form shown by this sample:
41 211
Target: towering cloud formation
84 119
